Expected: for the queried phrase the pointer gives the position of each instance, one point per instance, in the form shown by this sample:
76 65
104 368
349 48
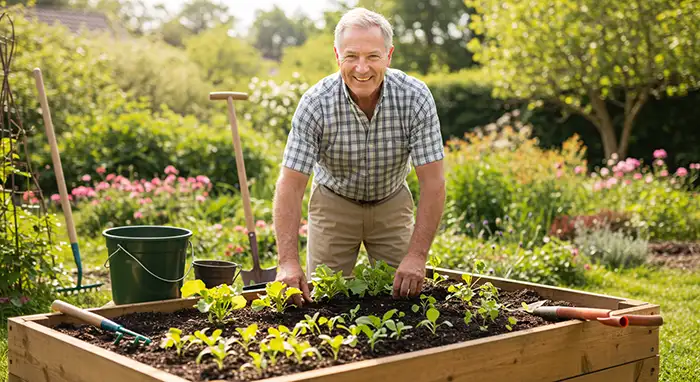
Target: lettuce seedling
259 361
336 342
218 352
219 301
373 336
396 328
426 302
272 348
311 323
300 349
328 284
202 338
331 322
354 332
377 322
434 262
431 320
379 279
174 339
351 313
276 297
247 336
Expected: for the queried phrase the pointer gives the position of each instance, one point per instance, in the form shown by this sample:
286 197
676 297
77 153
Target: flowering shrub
271 105
566 227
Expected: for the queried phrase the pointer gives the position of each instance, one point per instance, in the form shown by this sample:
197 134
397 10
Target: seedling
247 335
276 297
379 279
312 324
218 352
377 322
300 349
259 361
202 338
173 339
336 342
272 348
396 328
351 313
461 291
511 322
328 284
331 322
430 322
434 262
426 302
354 332
373 336
219 301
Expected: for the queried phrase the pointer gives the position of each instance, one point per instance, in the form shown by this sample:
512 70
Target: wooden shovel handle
55 156
71 310
644 320
220 96
240 166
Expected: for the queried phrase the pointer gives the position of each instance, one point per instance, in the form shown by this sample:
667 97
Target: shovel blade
264 276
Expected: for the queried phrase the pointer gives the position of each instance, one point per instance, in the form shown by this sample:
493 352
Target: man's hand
291 274
408 281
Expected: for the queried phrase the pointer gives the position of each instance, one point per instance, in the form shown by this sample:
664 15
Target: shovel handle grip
616 321
72 310
219 96
644 320
555 312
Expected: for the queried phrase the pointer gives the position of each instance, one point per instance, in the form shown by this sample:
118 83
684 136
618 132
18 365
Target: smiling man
358 131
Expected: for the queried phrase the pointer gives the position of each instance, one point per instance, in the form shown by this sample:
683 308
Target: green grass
678 294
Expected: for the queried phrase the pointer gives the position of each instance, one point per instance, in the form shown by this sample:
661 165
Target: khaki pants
337 227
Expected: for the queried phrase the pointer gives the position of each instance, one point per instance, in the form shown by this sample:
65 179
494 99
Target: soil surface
675 254
156 325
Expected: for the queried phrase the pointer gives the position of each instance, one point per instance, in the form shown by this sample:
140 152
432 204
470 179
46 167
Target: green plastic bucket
147 263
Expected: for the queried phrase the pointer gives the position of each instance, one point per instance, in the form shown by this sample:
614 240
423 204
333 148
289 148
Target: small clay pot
216 272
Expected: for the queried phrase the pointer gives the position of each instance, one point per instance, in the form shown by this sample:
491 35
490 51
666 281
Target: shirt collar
382 91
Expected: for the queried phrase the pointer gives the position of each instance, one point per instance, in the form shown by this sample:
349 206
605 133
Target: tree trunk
604 124
633 104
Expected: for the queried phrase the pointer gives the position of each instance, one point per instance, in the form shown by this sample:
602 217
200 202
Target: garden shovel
256 275
558 313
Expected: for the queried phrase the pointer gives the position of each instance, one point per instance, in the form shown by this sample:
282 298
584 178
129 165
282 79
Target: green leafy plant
272 348
379 279
219 301
351 313
202 338
247 336
332 322
276 297
312 322
373 336
377 322
426 302
174 339
219 351
435 261
396 328
335 343
430 322
258 362
300 349
328 284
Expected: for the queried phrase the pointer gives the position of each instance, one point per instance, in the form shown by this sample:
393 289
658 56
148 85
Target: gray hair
363 18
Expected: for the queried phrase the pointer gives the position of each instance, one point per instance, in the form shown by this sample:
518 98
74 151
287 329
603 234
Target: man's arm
411 272
289 194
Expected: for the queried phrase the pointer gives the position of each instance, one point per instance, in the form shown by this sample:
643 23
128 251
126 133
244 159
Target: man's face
363 60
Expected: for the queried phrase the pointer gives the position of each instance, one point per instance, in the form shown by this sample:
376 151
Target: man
359 130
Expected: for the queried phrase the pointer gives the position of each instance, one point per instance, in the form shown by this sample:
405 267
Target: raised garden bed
56 347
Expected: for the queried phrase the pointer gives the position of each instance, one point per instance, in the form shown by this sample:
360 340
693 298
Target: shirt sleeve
425 137
304 140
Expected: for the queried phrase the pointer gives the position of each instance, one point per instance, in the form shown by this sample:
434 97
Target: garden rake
257 274
65 204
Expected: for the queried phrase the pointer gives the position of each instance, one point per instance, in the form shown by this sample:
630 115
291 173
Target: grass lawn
678 293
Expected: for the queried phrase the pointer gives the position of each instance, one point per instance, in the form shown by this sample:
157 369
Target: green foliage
175 339
300 349
335 343
430 322
378 279
311 61
272 104
247 335
327 284
272 31
612 249
426 302
277 295
219 302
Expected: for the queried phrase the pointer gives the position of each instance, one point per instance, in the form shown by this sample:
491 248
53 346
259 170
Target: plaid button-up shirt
357 157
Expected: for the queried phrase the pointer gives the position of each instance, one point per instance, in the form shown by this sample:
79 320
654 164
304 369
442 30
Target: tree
313 60
195 17
273 31
586 56
429 36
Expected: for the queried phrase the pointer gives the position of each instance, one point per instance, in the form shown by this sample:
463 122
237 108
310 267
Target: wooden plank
38 353
547 353
14 378
579 298
645 370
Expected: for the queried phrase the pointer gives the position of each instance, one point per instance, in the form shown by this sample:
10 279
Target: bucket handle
119 247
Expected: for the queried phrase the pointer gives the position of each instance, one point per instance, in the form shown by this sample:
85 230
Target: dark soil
156 325
677 255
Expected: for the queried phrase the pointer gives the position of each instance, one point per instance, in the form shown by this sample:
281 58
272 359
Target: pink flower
578 170
597 186
260 224
619 174
663 173
238 249
660 154
587 267
110 177
171 170
604 171
102 186
628 182
218 226
55 197
559 173
203 179
238 228
138 215
101 170
303 230
695 166
659 162
638 176
611 182
86 178
681 171
200 198
230 246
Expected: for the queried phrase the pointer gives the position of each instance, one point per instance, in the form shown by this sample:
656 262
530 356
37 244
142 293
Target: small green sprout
373 336
259 361
332 322
219 302
276 297
218 352
426 302
431 322
202 338
396 328
511 322
336 342
300 349
352 313
328 284
313 322
174 339
272 348
247 335
434 262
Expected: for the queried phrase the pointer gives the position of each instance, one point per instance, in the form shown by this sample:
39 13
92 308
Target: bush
615 250
135 142
565 227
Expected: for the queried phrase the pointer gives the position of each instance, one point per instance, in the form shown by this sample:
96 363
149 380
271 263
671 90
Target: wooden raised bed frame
575 351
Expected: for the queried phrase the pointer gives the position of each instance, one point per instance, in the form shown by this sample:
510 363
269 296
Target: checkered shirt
353 156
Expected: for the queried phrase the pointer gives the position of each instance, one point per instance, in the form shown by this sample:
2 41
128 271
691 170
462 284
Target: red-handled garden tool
555 313
257 274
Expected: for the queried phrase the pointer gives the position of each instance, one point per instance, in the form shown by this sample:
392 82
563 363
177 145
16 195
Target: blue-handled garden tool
99 321
65 204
